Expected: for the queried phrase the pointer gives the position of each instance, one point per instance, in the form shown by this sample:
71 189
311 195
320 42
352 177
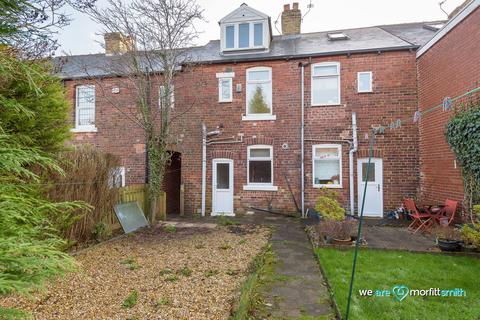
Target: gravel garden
165 272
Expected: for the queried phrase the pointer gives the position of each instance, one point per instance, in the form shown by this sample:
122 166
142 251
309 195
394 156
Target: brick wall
450 68
196 101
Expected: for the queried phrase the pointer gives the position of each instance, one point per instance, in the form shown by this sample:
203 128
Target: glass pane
324 153
260 172
259 98
371 173
261 75
225 89
243 35
325 90
364 82
327 172
325 70
86 117
230 36
255 153
223 176
258 34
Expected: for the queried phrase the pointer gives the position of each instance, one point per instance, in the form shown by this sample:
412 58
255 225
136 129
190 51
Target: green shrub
131 300
101 231
328 207
471 234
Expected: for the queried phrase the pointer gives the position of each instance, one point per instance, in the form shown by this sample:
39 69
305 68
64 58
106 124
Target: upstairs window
364 81
163 95
259 91
325 84
85 108
245 35
327 165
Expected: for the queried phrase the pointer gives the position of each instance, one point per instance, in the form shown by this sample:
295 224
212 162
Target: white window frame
222 77
358 81
255 186
236 35
161 92
340 178
258 116
337 75
121 170
84 128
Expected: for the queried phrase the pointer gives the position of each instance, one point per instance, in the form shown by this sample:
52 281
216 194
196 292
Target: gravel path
187 273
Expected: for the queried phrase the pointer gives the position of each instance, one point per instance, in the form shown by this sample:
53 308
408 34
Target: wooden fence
138 192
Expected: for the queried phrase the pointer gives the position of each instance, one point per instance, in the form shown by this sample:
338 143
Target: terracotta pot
342 242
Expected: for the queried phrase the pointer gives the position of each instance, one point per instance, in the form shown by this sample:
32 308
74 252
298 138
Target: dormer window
245 29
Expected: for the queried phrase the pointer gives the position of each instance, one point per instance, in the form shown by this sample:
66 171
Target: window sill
259 117
225 101
250 187
82 130
327 105
360 92
328 186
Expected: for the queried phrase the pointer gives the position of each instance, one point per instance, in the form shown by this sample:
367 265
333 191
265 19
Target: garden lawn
382 270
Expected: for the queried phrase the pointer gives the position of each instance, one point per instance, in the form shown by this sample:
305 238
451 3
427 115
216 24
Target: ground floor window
260 165
327 165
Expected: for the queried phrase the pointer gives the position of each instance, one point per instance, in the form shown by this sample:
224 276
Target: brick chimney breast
117 43
291 19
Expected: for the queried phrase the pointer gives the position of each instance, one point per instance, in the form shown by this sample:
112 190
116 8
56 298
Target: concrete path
298 290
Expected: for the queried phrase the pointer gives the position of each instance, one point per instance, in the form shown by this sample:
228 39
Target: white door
222 187
374 195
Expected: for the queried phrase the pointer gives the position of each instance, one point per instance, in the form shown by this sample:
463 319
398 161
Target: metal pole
204 166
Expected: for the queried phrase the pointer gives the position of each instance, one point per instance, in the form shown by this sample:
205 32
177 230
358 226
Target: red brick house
261 144
448 66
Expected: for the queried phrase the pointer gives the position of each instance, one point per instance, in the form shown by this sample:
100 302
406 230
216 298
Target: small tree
157 34
257 103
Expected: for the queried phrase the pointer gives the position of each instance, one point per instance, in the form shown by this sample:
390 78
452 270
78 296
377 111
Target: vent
337 36
434 26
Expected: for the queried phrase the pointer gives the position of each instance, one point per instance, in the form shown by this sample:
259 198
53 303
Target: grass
170 228
185 271
131 300
223 221
382 270
131 264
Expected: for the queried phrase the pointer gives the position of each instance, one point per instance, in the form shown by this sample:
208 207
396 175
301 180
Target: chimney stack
117 43
291 19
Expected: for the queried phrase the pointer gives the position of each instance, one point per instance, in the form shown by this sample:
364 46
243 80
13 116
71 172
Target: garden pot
448 245
342 242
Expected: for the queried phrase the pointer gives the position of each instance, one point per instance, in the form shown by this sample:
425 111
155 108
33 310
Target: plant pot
469 248
342 242
448 245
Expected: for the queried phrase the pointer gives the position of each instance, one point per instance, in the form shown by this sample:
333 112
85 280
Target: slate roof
369 39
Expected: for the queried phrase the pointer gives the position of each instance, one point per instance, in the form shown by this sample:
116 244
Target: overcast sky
81 36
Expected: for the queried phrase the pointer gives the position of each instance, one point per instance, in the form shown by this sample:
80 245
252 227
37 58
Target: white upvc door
222 187
374 193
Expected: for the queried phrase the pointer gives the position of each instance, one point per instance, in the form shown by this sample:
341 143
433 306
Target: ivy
463 135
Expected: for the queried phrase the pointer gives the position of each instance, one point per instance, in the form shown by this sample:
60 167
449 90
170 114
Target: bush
328 207
86 178
471 234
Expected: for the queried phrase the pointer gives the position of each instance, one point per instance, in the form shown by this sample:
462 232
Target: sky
82 35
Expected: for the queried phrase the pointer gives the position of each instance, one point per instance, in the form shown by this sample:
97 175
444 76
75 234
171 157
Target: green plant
224 221
328 206
165 271
471 234
101 231
476 210
171 278
164 301
446 233
131 264
131 300
185 271
170 228
210 273
463 134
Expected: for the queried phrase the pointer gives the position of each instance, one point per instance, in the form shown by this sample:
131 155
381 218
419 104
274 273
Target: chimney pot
291 19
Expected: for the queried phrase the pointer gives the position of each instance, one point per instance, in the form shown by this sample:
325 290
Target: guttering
353 149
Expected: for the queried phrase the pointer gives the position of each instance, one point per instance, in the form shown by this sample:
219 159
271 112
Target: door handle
378 187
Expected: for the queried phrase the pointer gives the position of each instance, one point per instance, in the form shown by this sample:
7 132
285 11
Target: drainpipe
302 136
353 149
204 166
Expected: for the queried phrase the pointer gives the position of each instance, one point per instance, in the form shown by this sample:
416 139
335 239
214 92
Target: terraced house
277 117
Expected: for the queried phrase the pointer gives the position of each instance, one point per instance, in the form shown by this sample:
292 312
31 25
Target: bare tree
155 36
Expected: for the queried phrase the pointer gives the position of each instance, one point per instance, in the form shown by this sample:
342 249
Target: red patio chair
421 220
445 215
